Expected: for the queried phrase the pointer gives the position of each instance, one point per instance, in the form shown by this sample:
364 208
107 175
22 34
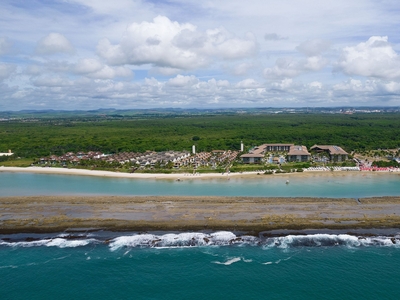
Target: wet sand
191 213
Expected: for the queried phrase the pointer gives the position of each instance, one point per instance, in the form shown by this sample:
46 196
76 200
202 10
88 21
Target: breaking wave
54 242
198 239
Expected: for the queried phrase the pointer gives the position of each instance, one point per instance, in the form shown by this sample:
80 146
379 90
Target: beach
193 213
180 176
83 172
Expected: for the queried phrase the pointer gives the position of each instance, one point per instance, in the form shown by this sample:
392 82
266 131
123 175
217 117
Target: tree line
361 132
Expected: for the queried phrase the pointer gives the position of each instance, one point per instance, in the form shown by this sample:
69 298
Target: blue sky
88 54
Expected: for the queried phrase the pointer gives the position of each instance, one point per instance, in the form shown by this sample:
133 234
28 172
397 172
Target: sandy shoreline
192 213
180 176
82 172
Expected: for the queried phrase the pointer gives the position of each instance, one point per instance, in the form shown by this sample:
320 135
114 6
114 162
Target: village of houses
274 154
264 156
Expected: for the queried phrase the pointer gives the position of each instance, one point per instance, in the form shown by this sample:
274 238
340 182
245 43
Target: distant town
276 156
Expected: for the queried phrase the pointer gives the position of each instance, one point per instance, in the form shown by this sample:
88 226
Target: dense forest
42 137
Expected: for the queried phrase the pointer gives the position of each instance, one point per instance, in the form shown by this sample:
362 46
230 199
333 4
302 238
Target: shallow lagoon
300 185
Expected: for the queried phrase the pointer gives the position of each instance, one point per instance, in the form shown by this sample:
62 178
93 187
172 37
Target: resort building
298 154
276 147
252 158
295 153
335 153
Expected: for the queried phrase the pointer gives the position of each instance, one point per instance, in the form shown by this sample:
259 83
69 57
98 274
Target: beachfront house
257 154
336 153
298 154
252 158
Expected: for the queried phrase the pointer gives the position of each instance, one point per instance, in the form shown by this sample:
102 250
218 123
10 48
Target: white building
9 153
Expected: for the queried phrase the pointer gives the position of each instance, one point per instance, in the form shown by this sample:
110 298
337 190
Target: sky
133 54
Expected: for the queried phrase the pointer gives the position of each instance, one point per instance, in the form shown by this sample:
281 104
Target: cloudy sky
88 54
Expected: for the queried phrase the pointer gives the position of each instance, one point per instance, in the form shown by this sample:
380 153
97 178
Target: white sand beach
182 176
83 172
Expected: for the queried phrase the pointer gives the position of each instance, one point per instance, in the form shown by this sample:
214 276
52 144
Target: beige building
276 147
252 158
336 153
298 154
295 153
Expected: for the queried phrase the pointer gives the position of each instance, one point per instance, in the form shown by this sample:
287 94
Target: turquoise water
338 267
355 185
203 265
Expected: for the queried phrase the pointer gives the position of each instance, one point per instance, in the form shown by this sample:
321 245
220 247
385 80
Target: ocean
200 265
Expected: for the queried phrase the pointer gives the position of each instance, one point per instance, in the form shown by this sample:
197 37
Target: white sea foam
224 238
8 267
220 238
57 242
188 239
132 241
63 243
315 240
228 262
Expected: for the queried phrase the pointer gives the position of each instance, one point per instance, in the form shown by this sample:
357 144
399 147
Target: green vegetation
34 138
13 162
386 164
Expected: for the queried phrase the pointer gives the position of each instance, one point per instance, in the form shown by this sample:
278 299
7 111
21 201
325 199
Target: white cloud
54 43
33 70
166 44
93 68
273 37
223 83
240 69
88 65
315 85
248 83
197 40
313 47
374 58
5 45
291 67
355 86
390 87
111 72
6 70
46 81
183 81
284 84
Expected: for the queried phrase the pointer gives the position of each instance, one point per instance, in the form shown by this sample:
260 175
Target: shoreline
251 215
176 176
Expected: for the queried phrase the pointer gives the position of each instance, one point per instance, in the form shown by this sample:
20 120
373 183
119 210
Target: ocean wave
199 239
189 239
329 240
228 262
56 242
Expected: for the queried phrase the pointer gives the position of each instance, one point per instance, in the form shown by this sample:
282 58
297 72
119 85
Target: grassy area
21 162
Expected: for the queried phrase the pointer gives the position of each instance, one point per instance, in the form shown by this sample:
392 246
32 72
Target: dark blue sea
200 265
